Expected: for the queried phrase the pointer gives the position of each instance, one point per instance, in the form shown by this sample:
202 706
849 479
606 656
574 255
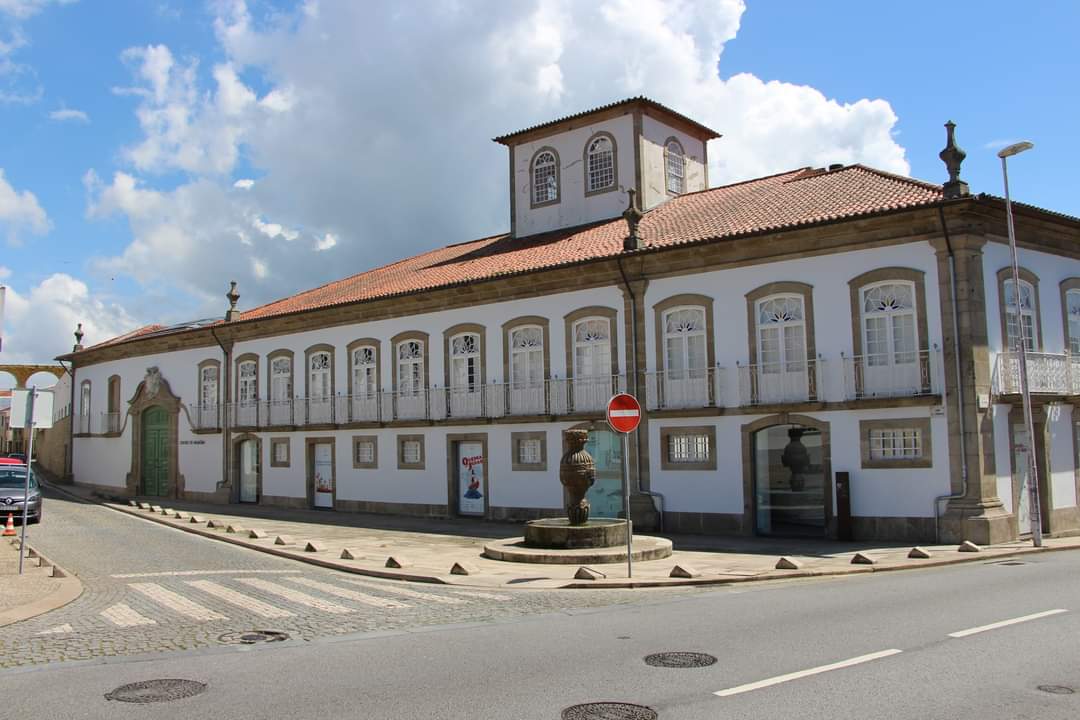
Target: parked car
12 487
11 461
21 457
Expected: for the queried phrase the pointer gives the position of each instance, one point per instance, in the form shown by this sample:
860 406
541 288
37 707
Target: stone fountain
576 538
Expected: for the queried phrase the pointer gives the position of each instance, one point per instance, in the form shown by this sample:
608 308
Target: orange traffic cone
9 529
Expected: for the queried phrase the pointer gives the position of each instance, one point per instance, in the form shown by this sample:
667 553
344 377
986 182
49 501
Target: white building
786 334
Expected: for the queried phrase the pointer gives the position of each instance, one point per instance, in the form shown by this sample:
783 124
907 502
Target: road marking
122 615
177 603
58 630
295 596
231 596
480 595
349 594
387 587
183 573
1005 623
806 673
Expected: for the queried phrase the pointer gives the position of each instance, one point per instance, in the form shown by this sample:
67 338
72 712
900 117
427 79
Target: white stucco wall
874 492
1059 447
654 136
573 208
1003 454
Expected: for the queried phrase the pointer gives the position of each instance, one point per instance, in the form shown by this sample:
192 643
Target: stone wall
51 448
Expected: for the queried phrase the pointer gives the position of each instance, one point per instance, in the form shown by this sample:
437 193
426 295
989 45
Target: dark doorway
789 481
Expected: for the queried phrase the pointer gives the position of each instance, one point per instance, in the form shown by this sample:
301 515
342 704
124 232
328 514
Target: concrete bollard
463 569
314 546
284 540
786 563
397 562
684 571
587 573
861 559
256 534
347 554
918 553
968 546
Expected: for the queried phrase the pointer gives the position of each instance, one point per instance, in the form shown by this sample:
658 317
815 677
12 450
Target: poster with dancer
471 478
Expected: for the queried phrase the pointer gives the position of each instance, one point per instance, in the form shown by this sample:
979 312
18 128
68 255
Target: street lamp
1025 394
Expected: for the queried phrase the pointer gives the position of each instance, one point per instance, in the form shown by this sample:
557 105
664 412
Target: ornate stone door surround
155 390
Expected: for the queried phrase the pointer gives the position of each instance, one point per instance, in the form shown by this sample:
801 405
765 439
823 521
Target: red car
11 461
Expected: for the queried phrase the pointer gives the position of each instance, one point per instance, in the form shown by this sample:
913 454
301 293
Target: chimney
952 156
233 297
632 216
78 339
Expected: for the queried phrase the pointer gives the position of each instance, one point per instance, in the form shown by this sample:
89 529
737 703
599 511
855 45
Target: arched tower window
545 178
675 167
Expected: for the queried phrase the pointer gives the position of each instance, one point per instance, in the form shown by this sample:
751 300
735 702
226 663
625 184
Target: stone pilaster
642 509
977 514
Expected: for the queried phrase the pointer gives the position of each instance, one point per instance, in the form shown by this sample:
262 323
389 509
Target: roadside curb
70 588
989 553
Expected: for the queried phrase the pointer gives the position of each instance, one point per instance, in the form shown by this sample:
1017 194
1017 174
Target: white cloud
327 241
38 325
69 114
5 272
22 9
20 211
354 129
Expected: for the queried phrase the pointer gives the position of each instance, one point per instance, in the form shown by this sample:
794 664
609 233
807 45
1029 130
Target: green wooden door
155 452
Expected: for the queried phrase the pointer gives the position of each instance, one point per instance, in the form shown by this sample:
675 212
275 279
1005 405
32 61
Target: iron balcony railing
1048 373
205 417
780 382
547 397
892 375
684 389
110 422
82 424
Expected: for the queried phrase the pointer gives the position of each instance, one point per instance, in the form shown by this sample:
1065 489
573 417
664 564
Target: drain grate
609 711
1057 689
1011 563
680 660
154 691
251 637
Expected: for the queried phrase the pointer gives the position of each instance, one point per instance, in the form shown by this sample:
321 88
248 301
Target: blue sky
360 136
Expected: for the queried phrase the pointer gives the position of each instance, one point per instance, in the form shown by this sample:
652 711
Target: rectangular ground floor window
903 442
365 452
410 452
279 452
529 451
688 448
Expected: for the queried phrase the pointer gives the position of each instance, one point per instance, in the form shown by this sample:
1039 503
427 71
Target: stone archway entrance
155 424
787 476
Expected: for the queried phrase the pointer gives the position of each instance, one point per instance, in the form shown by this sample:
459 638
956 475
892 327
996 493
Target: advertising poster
471 478
323 476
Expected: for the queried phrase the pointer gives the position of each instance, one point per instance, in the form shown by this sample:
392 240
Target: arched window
208 386
1072 313
1028 319
685 351
281 380
526 356
410 367
592 348
545 178
675 167
319 376
364 368
888 322
247 385
781 334
600 164
465 362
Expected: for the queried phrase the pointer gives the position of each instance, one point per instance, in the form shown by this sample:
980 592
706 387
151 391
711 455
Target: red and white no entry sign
623 413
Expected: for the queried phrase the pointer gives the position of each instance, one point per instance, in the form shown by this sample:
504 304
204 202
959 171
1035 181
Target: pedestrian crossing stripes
239 599
175 602
295 596
405 592
353 595
122 615
480 595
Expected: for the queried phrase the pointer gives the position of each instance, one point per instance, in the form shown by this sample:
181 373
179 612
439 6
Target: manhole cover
679 660
609 711
252 637
1012 562
152 691
1057 689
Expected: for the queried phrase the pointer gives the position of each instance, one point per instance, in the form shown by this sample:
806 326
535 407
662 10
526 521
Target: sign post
31 409
623 416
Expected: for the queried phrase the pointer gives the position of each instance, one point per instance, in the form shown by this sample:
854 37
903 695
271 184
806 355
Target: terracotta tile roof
787 200
640 99
138 332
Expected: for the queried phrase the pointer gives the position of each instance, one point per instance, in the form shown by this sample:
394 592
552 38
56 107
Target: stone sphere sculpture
577 473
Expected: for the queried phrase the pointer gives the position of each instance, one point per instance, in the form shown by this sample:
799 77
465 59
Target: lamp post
1035 512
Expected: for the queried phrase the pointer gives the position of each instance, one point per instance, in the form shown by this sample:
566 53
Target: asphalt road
922 644
150 588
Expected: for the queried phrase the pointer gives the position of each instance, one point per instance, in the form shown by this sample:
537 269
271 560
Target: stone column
978 515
